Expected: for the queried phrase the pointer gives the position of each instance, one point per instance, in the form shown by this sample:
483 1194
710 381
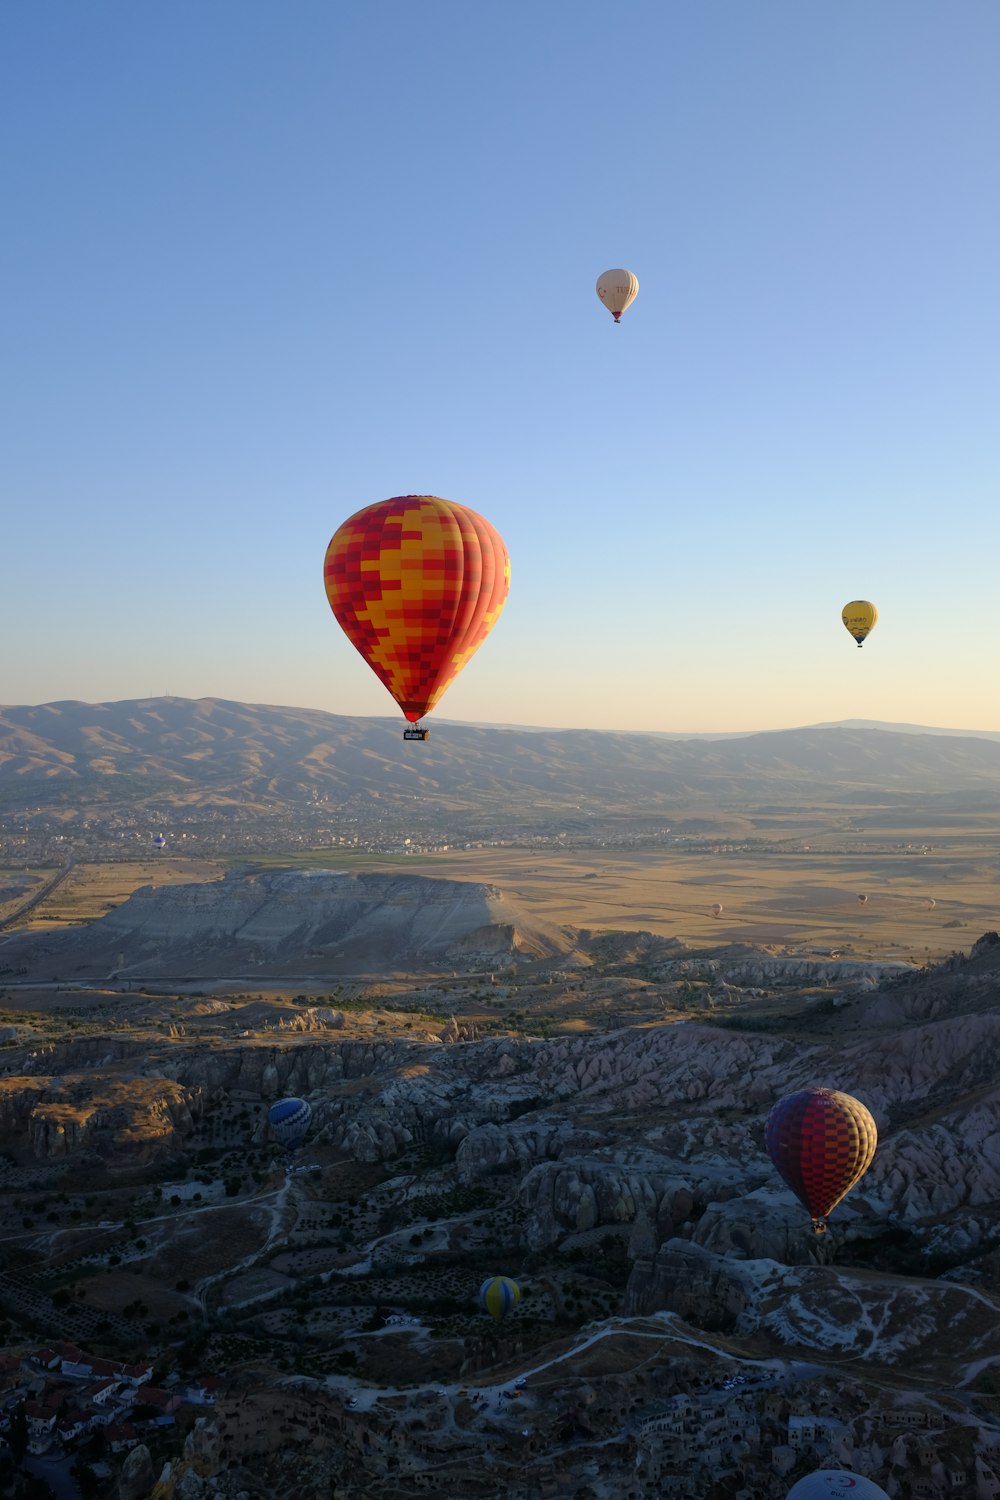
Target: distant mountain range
218 756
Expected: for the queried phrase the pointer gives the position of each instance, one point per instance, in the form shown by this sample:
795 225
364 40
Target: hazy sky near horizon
265 264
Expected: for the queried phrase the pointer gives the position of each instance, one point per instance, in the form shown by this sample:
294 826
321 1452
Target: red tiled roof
152 1395
120 1432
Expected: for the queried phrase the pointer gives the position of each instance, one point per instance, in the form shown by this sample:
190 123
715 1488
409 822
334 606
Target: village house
814 1434
41 1424
74 1363
906 1416
677 1484
101 1392
162 1401
663 1418
120 1437
987 1482
204 1391
45 1359
69 1428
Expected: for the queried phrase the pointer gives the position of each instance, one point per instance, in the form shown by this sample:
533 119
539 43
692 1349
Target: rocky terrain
613 1164
297 922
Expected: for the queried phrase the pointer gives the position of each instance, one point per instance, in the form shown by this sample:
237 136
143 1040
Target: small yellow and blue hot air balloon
499 1295
860 618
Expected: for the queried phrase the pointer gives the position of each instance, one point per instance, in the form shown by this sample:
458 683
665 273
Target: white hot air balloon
716 909
836 1484
617 290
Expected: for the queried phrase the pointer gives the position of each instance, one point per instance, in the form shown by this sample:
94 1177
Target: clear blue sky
264 264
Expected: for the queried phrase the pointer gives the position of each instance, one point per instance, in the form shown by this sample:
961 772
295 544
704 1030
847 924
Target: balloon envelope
416 584
860 617
822 1142
862 898
499 1295
717 909
930 903
617 290
289 1120
831 1484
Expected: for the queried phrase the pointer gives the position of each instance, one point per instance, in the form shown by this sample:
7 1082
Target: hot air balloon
832 1484
617 290
159 842
289 1120
716 909
499 1295
862 898
860 617
822 1142
930 903
417 584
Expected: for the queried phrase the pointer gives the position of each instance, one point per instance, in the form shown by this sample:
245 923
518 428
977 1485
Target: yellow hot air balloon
860 617
617 290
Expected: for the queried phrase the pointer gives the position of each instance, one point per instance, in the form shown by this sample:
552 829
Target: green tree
17 1433
87 1481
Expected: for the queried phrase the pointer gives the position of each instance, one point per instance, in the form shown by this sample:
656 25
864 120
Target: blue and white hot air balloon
832 1484
289 1120
159 842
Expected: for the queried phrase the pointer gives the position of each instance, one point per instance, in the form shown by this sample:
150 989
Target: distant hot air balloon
159 842
499 1295
617 290
860 617
289 1120
716 908
862 898
832 1484
930 903
822 1142
417 584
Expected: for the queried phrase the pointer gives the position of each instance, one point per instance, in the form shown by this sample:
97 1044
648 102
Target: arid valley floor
571 1093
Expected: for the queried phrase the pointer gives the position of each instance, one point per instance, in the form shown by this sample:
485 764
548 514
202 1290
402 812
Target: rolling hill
211 754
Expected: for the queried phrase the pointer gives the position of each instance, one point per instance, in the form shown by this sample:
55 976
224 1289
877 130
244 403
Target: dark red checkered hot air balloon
822 1142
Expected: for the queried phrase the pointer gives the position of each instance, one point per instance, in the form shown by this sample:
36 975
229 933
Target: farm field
803 898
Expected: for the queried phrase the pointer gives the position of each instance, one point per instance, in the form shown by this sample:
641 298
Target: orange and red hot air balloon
417 584
822 1142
